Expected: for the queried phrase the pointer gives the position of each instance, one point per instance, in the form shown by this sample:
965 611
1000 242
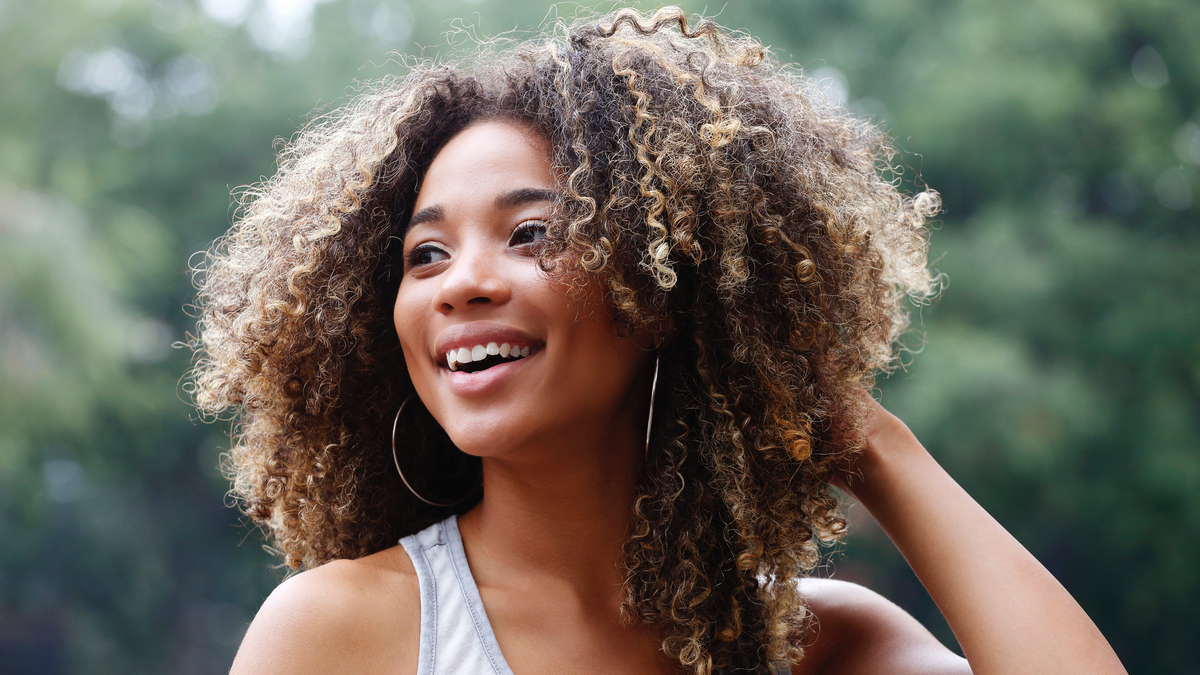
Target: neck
558 512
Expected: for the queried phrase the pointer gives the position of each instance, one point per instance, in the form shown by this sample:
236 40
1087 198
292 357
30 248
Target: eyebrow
426 215
522 196
506 200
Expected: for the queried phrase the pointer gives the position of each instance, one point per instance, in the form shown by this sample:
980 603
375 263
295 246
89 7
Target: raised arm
1010 615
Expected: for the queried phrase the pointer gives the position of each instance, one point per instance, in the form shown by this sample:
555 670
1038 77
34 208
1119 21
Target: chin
484 438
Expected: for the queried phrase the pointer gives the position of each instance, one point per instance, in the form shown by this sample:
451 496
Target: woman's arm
1008 612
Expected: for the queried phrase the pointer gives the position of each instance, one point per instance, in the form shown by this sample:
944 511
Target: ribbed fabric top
456 637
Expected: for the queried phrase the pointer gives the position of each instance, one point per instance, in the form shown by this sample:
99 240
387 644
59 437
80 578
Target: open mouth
482 357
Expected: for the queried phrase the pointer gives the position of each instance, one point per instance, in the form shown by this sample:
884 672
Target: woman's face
495 349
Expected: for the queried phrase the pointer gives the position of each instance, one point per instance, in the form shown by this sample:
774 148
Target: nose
475 277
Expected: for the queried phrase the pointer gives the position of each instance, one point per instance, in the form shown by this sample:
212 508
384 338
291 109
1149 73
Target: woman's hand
1008 612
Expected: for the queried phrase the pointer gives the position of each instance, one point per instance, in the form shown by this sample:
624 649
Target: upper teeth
480 352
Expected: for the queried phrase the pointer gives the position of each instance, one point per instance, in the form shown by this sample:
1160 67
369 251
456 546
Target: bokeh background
1059 379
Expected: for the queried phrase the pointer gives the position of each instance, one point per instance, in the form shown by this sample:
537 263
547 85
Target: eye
425 254
528 233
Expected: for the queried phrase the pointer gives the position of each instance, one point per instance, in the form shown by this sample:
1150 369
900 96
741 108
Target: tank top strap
456 637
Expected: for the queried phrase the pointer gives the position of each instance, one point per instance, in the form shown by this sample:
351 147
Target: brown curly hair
714 193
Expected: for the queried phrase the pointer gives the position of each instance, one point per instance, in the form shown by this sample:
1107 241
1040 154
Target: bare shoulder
856 630
347 616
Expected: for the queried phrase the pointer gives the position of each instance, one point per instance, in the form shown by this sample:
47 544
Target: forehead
485 159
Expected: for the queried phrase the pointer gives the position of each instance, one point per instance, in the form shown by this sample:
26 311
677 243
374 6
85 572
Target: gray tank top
456 636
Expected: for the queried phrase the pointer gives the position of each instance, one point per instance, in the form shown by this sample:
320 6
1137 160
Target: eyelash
413 258
528 226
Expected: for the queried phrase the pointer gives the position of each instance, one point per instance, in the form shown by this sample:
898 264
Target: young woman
588 327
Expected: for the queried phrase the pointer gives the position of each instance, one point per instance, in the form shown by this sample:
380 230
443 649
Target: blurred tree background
1059 380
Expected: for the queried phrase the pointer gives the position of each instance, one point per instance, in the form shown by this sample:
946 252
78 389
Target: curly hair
714 193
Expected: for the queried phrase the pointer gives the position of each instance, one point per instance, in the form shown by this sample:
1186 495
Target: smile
481 357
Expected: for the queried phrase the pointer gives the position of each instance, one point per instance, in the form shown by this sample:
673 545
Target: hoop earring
396 459
653 389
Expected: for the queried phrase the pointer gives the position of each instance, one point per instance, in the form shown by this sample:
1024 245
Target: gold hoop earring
653 389
396 459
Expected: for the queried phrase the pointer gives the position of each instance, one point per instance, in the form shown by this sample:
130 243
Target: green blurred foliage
1058 377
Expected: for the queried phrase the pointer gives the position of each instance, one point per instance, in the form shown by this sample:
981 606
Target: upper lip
480 333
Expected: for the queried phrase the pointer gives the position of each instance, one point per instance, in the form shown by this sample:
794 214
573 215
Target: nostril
479 300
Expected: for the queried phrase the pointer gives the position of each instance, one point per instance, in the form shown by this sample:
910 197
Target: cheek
603 364
398 314
407 322
606 367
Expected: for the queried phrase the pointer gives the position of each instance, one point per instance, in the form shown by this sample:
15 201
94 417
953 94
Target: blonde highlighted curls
720 200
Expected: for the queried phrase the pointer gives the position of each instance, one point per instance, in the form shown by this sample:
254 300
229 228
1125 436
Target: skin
560 434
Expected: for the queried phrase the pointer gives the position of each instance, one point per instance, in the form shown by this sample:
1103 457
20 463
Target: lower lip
485 381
